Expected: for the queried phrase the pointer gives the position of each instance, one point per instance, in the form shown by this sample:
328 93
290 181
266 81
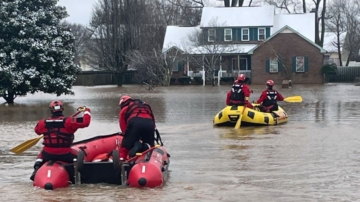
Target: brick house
300 60
263 46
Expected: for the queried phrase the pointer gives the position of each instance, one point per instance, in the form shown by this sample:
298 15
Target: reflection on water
313 157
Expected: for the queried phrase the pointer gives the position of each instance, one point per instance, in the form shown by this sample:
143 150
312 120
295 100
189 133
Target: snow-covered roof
330 40
303 23
237 16
288 29
176 36
223 49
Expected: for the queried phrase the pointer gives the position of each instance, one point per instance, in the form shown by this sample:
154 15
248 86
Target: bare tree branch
208 54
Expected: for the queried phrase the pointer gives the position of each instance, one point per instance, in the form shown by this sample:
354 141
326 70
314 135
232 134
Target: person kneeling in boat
137 121
58 134
269 97
239 93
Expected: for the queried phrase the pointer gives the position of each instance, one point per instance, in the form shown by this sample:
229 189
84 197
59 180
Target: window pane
211 35
274 65
228 34
300 64
261 34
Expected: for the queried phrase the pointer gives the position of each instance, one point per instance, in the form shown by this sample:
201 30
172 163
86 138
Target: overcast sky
79 10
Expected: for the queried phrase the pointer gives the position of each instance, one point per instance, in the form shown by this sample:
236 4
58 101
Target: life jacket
137 107
237 95
271 98
56 135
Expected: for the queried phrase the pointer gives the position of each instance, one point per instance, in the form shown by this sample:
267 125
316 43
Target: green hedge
184 80
329 69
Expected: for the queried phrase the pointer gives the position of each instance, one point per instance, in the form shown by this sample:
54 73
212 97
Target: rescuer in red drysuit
239 93
58 134
269 97
137 123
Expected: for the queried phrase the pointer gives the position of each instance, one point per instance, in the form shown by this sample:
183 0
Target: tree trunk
9 97
241 3
323 24
304 6
119 78
317 20
234 3
227 3
348 59
339 49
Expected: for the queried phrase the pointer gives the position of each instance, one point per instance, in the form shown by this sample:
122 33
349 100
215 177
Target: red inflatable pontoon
58 174
149 169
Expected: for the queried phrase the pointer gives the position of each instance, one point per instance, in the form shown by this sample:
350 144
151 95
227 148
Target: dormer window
261 34
227 34
211 35
245 34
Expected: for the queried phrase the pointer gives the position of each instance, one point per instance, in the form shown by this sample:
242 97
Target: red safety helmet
270 82
123 99
56 106
241 77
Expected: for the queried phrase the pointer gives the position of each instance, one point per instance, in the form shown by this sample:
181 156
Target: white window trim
242 34
226 35
274 61
214 31
259 34
296 63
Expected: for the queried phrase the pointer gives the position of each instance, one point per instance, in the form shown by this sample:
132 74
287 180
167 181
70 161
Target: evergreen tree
36 49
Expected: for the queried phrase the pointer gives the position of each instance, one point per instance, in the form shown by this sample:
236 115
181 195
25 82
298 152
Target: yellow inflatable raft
230 114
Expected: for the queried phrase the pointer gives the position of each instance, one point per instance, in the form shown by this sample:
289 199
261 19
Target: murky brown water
313 157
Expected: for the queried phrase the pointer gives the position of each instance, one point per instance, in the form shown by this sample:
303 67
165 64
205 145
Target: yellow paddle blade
238 123
26 145
296 98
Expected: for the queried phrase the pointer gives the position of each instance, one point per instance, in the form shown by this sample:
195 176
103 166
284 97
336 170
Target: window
175 67
211 35
300 65
227 34
261 34
245 34
274 65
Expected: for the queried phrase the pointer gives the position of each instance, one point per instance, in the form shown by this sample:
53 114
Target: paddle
30 143
296 98
238 123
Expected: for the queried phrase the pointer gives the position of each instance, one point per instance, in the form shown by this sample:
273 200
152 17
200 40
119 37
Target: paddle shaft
238 123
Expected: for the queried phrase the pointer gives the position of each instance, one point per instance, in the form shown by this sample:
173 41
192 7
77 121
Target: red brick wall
288 45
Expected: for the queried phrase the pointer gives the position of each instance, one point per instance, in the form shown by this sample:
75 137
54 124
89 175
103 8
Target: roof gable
303 23
238 16
176 36
285 28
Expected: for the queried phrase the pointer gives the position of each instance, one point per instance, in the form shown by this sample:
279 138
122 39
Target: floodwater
313 157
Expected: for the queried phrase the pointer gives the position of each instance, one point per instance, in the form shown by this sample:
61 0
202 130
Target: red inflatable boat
98 162
58 174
